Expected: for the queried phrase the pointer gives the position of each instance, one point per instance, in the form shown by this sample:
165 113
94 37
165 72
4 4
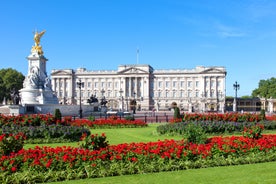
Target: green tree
10 79
266 89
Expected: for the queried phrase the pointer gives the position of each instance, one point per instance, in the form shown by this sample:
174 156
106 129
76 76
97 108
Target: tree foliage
266 89
10 79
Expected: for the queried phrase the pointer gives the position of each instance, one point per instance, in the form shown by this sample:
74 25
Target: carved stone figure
47 84
15 97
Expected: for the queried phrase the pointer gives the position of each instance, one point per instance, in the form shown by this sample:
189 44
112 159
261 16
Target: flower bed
48 119
54 164
226 117
212 127
109 123
47 133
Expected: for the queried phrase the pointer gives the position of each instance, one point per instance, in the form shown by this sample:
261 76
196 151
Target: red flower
13 169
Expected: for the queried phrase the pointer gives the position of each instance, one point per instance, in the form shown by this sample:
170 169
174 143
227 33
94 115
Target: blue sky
237 34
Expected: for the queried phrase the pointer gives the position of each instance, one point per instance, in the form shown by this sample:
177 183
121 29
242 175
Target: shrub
195 134
94 142
176 114
57 115
129 118
262 115
11 143
254 132
91 118
47 132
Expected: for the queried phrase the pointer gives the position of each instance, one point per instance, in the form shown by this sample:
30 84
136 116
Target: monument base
37 96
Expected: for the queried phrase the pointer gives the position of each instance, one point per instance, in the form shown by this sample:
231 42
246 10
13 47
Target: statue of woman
47 84
37 37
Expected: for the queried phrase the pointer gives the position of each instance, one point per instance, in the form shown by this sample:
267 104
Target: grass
264 173
122 135
128 135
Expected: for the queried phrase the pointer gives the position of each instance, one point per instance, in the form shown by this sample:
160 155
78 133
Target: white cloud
228 31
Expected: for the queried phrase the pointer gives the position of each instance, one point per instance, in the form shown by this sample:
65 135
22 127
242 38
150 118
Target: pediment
133 70
62 72
213 70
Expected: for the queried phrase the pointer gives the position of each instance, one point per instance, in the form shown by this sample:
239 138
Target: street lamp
80 85
203 95
221 101
236 88
103 101
121 98
134 103
102 91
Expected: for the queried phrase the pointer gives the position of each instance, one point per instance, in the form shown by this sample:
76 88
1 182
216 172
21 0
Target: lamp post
103 101
134 103
203 102
80 85
102 91
221 100
122 100
236 88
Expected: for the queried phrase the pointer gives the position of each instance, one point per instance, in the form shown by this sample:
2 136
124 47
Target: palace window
197 84
197 94
189 84
167 94
174 94
182 84
159 93
167 84
174 84
189 94
160 84
181 94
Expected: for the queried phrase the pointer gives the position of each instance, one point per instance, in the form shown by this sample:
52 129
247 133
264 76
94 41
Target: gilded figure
37 37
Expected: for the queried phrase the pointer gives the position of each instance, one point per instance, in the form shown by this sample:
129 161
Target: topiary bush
91 118
130 118
176 114
262 115
57 115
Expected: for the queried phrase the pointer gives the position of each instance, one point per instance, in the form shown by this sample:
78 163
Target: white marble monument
37 87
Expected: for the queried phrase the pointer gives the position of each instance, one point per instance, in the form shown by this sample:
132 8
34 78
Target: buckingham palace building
201 89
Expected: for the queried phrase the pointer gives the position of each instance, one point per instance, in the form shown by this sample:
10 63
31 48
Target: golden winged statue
37 47
37 37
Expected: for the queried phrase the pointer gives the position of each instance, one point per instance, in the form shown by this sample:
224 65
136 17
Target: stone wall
66 110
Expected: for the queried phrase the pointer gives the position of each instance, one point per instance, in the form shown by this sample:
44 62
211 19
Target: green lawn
263 173
122 135
127 135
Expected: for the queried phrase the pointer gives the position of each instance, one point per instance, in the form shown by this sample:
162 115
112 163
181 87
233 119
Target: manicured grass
121 135
264 173
127 135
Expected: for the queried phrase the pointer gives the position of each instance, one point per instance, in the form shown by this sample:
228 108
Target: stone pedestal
16 110
37 87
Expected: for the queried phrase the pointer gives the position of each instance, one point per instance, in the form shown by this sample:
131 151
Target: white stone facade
200 89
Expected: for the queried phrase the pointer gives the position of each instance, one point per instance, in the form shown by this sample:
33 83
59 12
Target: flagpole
137 56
